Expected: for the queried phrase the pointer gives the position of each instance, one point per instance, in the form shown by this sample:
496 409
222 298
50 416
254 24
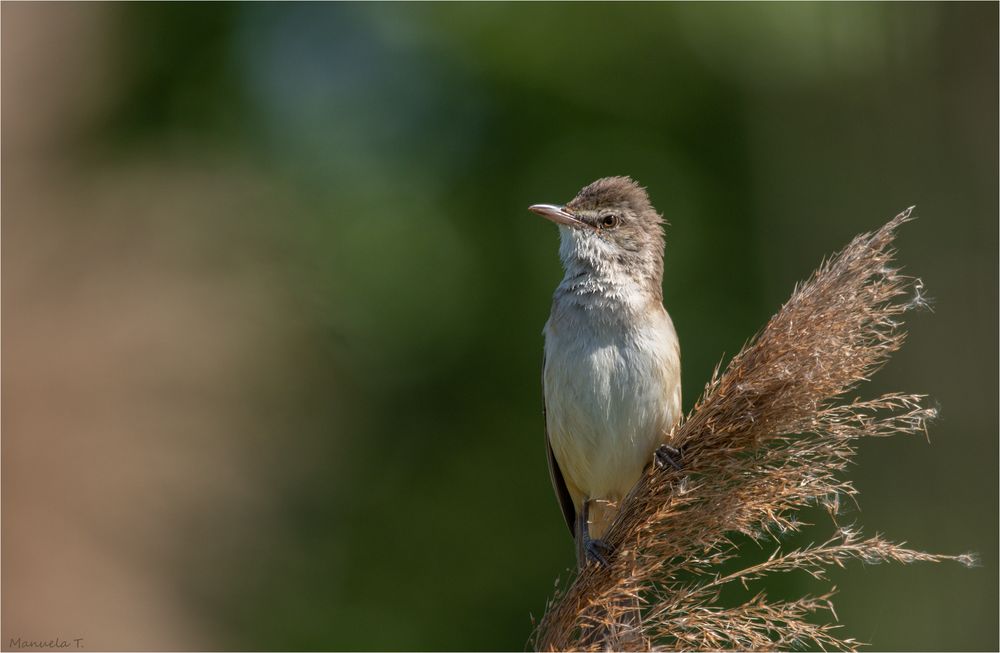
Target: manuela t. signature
45 644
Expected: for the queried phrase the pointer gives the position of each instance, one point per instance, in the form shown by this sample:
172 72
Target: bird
612 369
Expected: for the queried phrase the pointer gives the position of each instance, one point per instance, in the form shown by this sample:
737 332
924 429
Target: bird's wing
555 474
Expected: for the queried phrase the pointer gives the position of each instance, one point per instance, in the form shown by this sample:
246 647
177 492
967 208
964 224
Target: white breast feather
611 395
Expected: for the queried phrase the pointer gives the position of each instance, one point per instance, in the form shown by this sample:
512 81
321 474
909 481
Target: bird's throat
615 292
598 270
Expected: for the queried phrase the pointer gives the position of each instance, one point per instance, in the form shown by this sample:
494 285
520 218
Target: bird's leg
668 456
587 548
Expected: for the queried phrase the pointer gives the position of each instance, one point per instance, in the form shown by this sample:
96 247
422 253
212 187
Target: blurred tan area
126 357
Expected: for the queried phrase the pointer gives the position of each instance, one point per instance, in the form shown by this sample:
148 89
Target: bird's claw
667 456
598 551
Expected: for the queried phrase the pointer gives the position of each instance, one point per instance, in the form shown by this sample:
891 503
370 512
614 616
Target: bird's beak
557 214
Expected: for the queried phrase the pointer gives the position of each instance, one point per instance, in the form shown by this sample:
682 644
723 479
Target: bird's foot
597 551
590 549
667 456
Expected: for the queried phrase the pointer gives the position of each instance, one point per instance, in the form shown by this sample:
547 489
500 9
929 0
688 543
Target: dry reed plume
765 439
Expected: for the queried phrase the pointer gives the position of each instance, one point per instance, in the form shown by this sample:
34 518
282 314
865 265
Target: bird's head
610 229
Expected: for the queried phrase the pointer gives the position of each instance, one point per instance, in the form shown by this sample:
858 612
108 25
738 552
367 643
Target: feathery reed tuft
765 440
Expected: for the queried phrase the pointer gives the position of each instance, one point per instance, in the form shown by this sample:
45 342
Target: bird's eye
609 221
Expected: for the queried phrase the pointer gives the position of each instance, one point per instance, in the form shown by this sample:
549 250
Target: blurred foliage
411 504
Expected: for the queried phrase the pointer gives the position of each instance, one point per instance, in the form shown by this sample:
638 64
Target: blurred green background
272 302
